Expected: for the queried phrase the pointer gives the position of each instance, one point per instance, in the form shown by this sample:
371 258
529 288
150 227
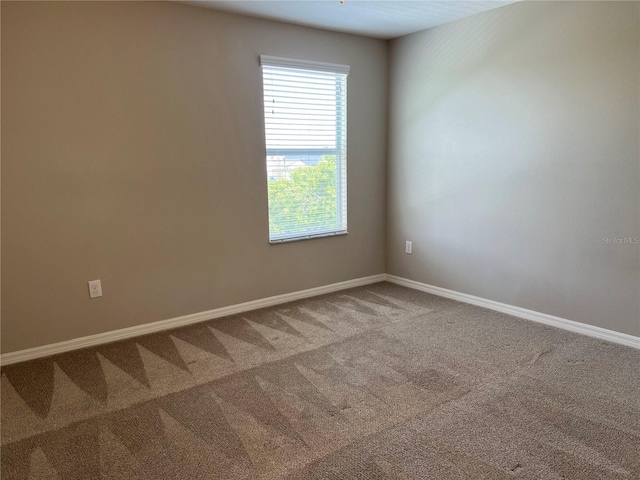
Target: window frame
341 72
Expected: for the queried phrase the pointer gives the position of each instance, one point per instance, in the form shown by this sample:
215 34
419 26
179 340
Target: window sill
308 237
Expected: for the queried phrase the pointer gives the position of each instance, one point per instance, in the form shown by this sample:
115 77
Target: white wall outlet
95 289
408 247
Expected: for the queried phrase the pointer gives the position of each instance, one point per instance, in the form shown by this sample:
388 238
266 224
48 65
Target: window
306 157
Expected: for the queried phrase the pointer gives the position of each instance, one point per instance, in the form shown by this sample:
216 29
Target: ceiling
372 18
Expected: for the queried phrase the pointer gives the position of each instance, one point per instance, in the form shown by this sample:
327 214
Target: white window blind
306 147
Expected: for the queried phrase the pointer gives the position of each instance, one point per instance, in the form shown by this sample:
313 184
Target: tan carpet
379 382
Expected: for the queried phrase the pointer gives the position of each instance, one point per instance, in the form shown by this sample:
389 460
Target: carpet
376 382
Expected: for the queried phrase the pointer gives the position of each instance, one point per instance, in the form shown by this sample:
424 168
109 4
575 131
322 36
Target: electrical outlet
95 289
408 247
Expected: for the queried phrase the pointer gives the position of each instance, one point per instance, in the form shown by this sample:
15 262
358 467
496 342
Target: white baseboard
577 327
131 332
126 333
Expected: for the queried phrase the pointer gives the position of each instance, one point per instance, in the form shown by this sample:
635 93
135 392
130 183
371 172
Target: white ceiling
372 18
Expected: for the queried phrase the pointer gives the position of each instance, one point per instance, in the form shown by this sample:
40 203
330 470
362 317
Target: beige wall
514 149
133 152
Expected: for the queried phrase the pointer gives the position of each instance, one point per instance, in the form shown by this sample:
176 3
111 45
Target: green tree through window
306 200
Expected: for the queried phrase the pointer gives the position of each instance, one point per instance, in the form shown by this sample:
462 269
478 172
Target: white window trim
268 60
283 62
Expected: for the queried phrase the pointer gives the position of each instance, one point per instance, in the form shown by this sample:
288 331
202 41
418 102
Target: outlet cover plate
95 289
